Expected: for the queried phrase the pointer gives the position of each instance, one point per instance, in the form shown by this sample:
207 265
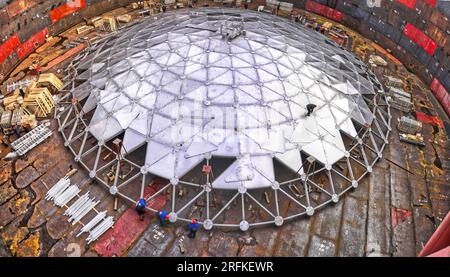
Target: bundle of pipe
83 210
64 197
95 233
58 188
99 217
77 204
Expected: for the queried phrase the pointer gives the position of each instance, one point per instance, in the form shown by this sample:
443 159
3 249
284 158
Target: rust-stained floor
392 213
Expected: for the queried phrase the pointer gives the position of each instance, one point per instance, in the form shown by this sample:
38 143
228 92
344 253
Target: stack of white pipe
83 210
58 188
64 197
99 217
101 228
77 204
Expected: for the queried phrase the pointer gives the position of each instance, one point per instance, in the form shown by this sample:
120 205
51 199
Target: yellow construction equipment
106 23
50 81
38 102
12 102
124 18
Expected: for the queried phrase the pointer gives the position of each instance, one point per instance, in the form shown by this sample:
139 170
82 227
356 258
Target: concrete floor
393 212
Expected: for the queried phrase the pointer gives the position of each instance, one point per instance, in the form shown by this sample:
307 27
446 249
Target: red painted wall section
441 94
128 228
67 9
431 2
420 38
408 3
8 47
31 44
323 10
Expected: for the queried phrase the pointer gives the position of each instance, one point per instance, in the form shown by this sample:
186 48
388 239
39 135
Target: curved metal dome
191 86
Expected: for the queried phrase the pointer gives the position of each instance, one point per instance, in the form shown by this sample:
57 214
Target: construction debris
5 121
125 18
106 23
400 102
28 121
84 29
409 126
394 82
13 102
393 92
20 84
377 61
413 139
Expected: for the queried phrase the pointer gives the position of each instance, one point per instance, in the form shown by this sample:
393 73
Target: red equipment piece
433 120
439 243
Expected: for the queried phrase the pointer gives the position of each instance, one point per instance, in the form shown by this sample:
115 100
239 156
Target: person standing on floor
193 227
163 217
310 108
140 209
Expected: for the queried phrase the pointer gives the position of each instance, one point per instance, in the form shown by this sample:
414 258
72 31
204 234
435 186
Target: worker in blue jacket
140 208
163 217
193 227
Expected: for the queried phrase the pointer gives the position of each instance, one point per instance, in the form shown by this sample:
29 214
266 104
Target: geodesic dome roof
186 86
179 86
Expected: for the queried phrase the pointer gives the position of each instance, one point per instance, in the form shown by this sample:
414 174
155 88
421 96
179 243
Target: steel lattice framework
181 93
